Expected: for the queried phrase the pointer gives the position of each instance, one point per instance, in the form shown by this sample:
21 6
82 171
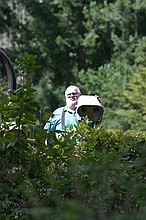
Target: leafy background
88 174
93 173
97 45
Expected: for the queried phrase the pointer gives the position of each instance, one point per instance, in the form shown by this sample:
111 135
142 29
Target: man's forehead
71 89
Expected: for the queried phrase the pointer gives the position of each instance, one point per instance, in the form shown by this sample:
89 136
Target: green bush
92 173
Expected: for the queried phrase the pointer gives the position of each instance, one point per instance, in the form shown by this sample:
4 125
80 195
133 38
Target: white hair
73 87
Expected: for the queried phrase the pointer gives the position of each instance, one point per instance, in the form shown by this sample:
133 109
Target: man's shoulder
59 110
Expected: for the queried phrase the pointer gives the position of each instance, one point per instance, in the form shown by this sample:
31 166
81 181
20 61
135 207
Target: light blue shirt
56 121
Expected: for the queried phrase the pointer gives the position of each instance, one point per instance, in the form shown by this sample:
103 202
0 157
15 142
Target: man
67 115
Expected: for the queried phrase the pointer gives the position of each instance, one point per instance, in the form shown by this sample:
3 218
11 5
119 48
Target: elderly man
67 115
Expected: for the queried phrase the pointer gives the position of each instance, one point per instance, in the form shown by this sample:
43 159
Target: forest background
97 45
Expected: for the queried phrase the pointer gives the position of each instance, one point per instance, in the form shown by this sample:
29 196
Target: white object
90 106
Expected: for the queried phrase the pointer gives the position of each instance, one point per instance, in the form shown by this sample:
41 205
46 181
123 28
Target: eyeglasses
73 93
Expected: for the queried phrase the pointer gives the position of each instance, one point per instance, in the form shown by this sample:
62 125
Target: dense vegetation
93 173
97 45
88 174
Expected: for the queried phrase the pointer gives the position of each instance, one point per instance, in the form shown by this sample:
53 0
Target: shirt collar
67 109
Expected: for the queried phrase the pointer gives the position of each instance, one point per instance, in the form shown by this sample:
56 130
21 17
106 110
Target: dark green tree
88 43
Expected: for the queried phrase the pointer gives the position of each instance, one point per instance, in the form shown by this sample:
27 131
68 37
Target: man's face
72 96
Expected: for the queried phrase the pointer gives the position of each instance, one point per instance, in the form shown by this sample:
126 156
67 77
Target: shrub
92 173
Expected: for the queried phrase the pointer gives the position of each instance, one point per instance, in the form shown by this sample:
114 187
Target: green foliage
132 101
93 173
94 44
109 81
90 173
25 67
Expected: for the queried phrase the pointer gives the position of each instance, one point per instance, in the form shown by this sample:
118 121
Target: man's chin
72 102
